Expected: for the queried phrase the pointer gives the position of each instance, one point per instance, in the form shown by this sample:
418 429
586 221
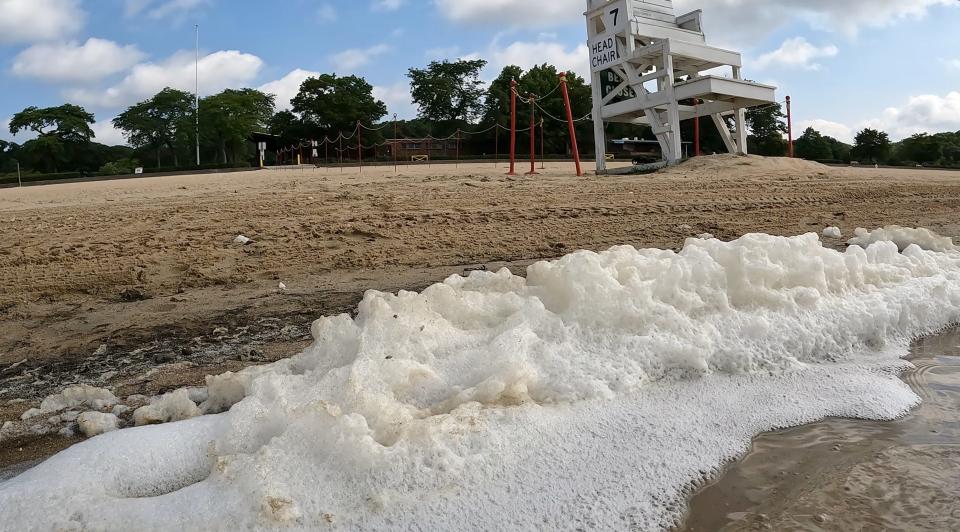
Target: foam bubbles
903 237
589 394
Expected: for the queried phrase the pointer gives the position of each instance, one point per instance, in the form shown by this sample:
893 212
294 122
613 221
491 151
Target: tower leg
673 110
599 135
676 148
725 134
741 131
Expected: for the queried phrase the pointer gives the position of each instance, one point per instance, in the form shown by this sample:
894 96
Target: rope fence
285 154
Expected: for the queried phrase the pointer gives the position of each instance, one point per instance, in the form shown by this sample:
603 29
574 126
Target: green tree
289 128
840 150
767 130
922 148
448 91
229 118
165 120
58 130
496 107
813 146
871 146
328 104
8 156
120 167
542 80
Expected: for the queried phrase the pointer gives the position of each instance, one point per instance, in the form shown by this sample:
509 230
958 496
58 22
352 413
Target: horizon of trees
450 97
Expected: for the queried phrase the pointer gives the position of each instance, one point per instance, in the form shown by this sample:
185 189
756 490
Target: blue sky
893 64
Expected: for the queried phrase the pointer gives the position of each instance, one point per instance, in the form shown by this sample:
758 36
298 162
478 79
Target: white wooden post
599 135
741 121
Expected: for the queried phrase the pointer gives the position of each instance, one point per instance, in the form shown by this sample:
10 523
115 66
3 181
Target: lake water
853 475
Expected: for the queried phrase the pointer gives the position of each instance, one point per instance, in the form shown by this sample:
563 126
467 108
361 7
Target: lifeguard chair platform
660 60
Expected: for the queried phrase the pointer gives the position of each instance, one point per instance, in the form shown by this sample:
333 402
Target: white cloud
737 22
218 71
74 62
39 20
105 133
841 132
952 63
387 5
742 22
529 54
928 113
355 58
155 9
511 12
398 100
287 87
796 53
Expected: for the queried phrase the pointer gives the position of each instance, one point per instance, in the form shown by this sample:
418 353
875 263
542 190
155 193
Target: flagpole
196 95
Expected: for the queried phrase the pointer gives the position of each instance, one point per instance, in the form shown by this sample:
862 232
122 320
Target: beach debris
242 240
131 295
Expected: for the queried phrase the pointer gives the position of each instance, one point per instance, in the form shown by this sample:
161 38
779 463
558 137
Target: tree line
872 146
162 131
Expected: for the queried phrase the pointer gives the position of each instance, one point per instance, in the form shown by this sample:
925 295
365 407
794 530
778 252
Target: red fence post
513 127
789 129
533 135
573 131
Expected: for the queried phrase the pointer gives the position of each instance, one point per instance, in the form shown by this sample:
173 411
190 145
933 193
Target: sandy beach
104 282
143 287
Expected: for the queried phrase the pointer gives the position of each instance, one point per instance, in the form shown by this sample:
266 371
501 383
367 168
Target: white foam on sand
591 394
903 237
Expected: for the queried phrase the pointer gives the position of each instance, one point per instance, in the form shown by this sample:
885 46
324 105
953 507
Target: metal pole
19 180
395 169
513 127
196 95
789 129
458 148
533 135
573 131
359 147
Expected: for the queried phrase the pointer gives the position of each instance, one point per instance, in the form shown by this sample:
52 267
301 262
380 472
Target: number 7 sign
616 16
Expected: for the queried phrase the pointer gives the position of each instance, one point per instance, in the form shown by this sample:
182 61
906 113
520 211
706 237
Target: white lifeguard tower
659 60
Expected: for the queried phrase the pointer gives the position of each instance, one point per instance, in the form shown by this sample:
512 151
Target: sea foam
592 393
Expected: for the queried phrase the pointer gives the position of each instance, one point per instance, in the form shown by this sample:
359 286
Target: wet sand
849 475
